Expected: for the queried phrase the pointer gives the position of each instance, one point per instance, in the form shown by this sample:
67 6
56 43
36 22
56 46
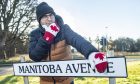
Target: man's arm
38 47
77 41
88 50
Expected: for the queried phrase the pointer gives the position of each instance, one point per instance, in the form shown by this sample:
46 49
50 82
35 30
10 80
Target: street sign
116 68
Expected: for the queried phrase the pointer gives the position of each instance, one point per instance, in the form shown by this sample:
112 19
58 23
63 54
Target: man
52 40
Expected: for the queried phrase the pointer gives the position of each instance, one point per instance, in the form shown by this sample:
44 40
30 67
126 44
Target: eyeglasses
47 15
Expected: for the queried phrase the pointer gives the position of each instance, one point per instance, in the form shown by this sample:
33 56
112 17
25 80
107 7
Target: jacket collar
42 30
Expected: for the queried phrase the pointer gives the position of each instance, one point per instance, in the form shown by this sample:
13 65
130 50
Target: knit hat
42 9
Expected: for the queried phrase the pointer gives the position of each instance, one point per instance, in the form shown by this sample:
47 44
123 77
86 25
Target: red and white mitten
98 60
50 32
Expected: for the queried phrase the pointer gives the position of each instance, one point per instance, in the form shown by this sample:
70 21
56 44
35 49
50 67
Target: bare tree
15 17
97 41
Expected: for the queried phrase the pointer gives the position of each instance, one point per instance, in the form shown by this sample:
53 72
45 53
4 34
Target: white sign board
116 68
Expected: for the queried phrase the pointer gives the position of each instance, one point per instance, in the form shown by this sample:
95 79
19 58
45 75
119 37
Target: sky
92 18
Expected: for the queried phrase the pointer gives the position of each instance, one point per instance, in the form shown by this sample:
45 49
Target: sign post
26 81
111 80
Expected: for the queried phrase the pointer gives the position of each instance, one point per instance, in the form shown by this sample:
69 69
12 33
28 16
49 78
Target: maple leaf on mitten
99 59
50 32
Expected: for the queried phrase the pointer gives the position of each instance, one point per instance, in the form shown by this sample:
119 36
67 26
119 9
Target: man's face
47 19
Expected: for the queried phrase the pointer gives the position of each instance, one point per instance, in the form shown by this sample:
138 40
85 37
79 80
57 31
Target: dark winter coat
59 49
38 47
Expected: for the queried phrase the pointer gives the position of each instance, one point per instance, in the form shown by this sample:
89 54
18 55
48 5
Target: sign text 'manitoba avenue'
116 68
70 68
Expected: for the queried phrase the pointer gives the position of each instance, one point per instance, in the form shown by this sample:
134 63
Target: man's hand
98 60
50 32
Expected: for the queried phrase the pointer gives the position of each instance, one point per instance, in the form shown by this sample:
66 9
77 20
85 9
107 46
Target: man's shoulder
35 31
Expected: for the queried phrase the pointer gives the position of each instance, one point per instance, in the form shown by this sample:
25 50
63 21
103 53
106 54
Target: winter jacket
38 47
59 49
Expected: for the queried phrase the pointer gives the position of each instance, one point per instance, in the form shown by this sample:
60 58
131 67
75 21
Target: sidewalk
6 70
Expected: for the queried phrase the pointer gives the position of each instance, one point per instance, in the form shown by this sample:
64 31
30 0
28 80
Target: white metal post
111 54
112 81
26 80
